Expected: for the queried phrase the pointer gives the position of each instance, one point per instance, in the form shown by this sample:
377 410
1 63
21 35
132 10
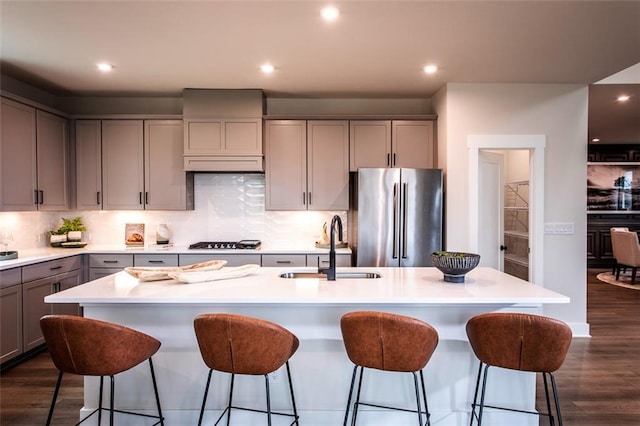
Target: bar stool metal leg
155 390
424 396
353 380
266 382
555 398
415 385
293 398
204 399
55 396
357 401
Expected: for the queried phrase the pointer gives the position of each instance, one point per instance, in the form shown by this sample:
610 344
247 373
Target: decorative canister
162 234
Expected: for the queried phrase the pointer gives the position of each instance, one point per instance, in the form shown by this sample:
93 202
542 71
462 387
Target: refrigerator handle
396 214
405 197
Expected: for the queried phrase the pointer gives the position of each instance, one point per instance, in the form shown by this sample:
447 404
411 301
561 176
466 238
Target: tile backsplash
228 207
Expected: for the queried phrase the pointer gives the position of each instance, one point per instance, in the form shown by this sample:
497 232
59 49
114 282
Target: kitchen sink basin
339 275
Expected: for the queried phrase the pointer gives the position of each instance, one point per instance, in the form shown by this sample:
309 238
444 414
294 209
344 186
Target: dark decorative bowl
454 265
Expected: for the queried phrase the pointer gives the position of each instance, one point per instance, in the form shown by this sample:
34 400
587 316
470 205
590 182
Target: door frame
535 144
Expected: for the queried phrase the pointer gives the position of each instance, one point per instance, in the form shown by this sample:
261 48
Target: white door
490 209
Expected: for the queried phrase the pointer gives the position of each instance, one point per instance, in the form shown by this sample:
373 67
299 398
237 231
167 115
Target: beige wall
560 113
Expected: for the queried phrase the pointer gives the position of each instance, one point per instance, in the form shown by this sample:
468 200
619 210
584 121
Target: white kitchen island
311 308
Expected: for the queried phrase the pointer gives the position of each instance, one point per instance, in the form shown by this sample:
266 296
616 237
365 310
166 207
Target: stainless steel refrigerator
397 216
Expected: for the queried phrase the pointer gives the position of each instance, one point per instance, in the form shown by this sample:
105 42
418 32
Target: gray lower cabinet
284 260
101 265
322 260
10 314
39 281
157 260
232 259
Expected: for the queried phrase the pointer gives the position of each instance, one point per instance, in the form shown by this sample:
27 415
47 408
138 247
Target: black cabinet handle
394 159
388 159
98 198
55 268
146 198
283 261
304 199
503 248
140 197
156 261
109 261
309 198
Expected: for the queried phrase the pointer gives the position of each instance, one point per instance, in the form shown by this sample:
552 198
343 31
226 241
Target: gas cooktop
227 245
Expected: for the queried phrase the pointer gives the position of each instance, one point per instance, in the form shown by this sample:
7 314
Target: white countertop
405 286
28 257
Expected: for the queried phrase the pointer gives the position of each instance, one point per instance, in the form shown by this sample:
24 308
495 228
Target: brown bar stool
237 344
520 342
90 347
387 342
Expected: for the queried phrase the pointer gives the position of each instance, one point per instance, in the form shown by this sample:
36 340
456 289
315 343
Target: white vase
74 236
57 240
162 234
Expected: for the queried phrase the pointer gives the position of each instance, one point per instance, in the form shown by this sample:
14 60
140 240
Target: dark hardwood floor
599 383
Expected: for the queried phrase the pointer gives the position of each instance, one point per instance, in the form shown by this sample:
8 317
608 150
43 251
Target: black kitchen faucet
330 272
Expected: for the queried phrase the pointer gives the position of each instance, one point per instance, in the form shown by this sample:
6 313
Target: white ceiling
375 49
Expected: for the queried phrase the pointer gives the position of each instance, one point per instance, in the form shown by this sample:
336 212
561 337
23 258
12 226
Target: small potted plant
57 237
71 230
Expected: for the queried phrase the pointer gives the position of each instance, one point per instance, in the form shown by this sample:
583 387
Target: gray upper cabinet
131 165
33 159
223 130
370 144
397 143
88 164
165 182
18 181
52 157
123 164
307 165
286 165
328 165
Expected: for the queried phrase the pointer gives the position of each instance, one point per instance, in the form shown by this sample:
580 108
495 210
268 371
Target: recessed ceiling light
267 68
595 140
430 69
623 98
104 67
330 13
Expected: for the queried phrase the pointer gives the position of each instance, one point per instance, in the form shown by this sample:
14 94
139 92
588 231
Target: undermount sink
339 275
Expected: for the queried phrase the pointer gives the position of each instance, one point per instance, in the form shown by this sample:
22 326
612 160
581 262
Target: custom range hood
223 130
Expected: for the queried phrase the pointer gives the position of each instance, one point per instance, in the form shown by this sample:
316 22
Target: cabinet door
165 181
122 165
413 144
11 322
322 260
34 308
280 260
286 165
328 165
64 282
52 148
232 259
88 164
17 157
95 273
155 260
369 144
